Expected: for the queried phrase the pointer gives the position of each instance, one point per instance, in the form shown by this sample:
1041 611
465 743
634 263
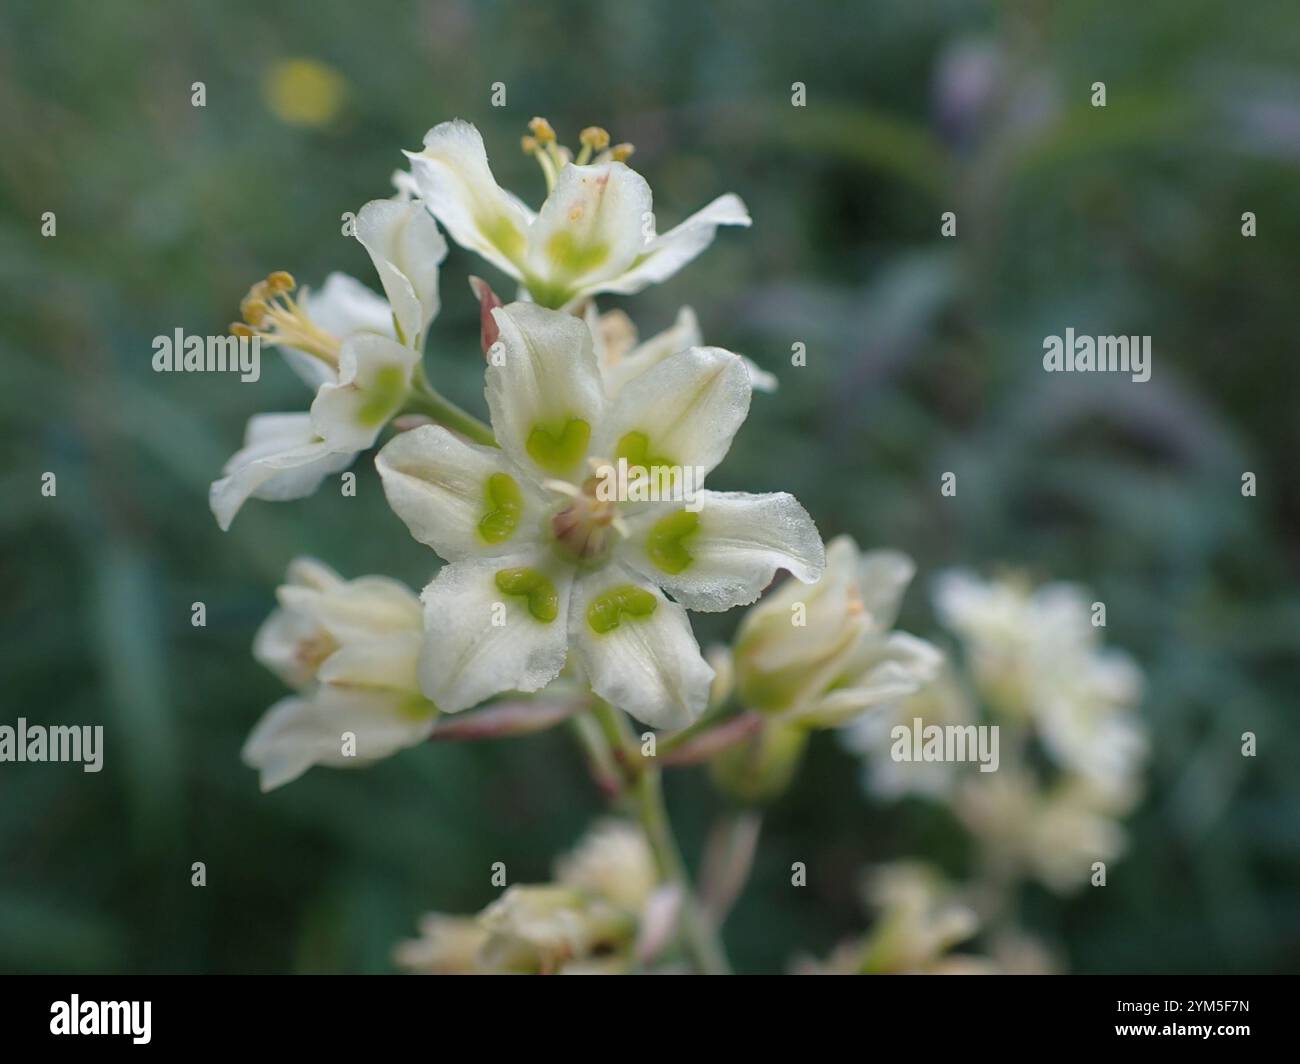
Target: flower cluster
564 593
603 914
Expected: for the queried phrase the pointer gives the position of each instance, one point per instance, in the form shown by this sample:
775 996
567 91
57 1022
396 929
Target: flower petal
638 649
344 306
667 254
592 226
297 733
374 380
727 552
544 389
684 411
406 248
883 577
459 498
457 186
481 639
282 458
388 663
618 369
882 672
360 609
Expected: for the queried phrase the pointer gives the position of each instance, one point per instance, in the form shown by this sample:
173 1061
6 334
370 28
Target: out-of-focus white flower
585 923
595 232
1053 835
621 358
1037 658
820 656
613 860
350 648
543 928
357 351
919 919
525 528
940 702
447 945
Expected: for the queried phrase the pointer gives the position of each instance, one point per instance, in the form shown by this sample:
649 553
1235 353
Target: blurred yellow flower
304 92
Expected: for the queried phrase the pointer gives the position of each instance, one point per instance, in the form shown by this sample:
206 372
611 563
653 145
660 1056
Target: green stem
425 399
701 936
712 716
646 784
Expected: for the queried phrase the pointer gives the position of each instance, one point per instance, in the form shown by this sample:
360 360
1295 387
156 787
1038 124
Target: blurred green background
923 356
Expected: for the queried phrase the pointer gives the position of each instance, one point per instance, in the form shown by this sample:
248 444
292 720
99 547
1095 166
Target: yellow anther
620 152
261 290
254 310
595 138
529 144
542 130
281 281
238 328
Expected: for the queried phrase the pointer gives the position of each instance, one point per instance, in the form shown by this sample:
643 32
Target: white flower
940 702
621 358
539 563
351 650
822 655
1053 835
357 351
919 918
595 232
542 928
447 945
613 860
1036 657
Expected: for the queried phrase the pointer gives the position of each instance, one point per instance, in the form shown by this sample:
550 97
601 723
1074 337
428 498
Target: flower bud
759 768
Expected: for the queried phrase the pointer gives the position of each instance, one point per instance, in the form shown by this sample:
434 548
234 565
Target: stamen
271 312
542 130
593 138
532 146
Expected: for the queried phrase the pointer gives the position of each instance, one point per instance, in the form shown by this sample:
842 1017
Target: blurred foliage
923 356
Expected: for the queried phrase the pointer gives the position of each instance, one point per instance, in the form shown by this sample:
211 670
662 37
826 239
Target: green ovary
558 452
505 506
383 395
666 543
543 600
607 610
572 258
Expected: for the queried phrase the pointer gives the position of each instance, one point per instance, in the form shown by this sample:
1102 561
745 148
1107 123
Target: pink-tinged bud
488 300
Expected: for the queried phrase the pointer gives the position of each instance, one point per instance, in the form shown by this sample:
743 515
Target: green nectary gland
503 234
635 447
543 600
607 610
572 258
383 395
559 450
666 543
505 506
